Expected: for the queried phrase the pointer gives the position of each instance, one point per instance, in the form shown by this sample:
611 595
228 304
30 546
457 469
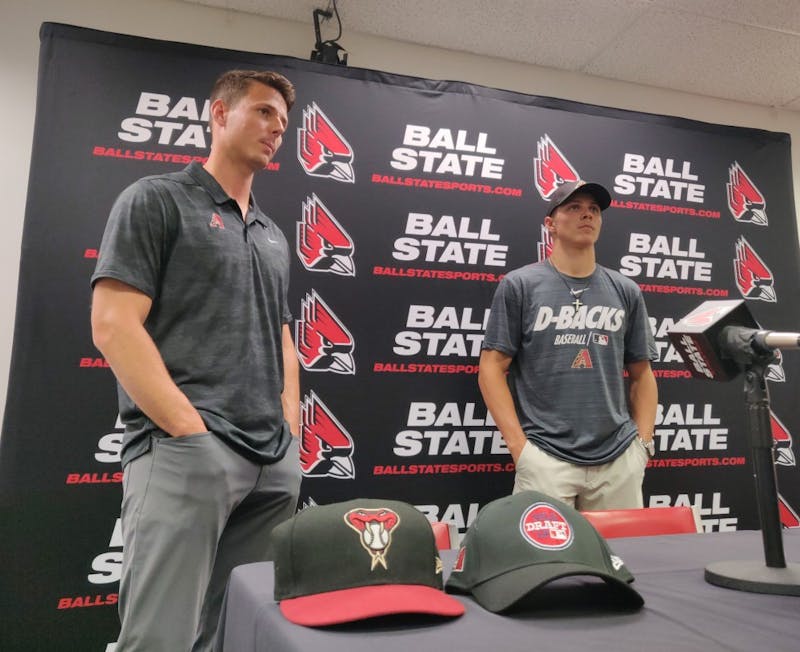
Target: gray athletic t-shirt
219 289
566 377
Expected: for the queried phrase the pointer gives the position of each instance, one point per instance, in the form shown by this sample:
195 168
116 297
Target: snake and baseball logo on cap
519 543
358 559
375 531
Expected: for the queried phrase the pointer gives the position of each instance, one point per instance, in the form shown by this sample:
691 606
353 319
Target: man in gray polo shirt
190 310
559 335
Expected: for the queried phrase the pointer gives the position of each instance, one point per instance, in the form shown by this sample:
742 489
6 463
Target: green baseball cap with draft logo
358 559
519 543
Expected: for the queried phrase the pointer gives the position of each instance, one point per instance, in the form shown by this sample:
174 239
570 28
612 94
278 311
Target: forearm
118 314
644 402
500 403
290 397
140 370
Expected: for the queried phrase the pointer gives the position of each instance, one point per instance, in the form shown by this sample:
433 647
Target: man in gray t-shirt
560 335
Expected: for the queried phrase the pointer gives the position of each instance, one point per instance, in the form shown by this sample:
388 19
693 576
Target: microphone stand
776 577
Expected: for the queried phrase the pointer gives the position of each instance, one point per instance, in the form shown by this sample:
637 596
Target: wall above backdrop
742 50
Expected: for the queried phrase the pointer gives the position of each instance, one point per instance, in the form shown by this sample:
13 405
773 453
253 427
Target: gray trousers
192 510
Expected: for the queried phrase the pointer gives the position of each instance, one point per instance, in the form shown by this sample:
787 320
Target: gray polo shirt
219 289
566 376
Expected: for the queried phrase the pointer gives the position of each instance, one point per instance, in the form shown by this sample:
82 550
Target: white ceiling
744 50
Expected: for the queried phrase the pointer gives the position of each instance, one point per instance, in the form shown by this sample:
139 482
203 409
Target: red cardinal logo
775 371
551 168
745 201
374 527
789 517
326 448
753 278
545 246
322 243
321 149
783 442
323 342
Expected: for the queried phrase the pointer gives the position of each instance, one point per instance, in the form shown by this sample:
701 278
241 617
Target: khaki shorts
614 485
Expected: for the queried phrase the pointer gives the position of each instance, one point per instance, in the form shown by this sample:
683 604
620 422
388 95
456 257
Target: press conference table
682 612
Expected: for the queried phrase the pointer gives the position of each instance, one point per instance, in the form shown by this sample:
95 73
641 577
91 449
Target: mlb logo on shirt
599 338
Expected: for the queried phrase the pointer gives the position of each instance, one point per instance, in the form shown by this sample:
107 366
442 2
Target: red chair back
649 521
442 534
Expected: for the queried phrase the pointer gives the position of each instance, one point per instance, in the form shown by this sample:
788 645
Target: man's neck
577 262
234 180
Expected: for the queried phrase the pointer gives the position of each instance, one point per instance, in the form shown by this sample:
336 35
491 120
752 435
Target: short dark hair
231 86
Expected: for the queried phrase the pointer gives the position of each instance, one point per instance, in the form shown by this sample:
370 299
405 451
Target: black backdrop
426 192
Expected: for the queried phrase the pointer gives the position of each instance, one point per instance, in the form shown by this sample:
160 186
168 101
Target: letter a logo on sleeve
551 168
326 448
323 343
322 243
753 278
745 201
321 149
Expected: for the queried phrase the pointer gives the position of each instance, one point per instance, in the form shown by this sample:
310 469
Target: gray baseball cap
566 190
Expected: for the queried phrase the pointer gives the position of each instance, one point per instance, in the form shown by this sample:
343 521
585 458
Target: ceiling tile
706 56
743 50
780 15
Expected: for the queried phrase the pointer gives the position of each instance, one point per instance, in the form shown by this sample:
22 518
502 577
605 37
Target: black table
682 611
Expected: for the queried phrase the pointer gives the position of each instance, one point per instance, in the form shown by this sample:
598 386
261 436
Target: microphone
775 340
718 338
